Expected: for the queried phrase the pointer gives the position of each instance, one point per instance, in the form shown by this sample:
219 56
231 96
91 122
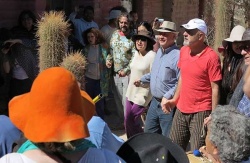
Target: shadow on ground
114 122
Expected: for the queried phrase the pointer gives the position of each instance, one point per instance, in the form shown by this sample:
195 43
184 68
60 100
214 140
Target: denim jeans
93 88
157 121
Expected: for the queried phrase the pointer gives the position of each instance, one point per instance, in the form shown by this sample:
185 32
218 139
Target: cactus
52 34
76 64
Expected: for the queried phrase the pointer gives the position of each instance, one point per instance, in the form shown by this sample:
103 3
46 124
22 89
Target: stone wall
182 12
101 8
179 11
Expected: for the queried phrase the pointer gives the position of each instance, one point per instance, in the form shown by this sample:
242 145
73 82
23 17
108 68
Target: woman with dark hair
232 65
24 59
137 98
146 26
97 74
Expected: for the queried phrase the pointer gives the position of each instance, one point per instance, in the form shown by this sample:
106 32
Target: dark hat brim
151 147
139 35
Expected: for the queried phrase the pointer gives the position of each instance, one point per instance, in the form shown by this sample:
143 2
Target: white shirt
93 65
107 32
139 66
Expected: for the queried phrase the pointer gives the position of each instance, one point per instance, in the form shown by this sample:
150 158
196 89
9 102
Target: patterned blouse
122 48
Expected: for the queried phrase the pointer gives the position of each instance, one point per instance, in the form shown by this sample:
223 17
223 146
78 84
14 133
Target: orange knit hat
55 110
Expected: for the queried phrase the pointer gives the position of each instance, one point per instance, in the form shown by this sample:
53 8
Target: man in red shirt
197 92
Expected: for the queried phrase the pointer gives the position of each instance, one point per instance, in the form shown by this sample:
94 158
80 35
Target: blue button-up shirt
244 106
164 73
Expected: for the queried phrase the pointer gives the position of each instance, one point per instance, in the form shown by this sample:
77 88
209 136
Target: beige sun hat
167 26
236 34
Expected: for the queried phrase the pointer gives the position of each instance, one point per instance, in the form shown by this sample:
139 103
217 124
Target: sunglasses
141 38
246 48
191 32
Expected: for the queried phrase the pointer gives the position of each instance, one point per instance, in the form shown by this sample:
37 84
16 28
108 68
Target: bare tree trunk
222 21
247 12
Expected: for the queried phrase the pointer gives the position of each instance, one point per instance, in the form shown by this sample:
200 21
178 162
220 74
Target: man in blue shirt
163 80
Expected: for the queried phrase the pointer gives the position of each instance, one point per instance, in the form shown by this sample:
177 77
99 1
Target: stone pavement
113 120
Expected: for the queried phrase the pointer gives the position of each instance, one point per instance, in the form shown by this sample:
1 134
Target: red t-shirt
197 73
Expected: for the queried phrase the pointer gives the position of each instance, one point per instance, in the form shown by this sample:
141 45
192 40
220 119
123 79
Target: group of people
143 66
19 59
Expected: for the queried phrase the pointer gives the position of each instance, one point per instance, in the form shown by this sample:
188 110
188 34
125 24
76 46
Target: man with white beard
197 92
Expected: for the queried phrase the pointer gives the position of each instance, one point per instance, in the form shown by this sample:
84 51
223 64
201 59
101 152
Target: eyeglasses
246 48
144 39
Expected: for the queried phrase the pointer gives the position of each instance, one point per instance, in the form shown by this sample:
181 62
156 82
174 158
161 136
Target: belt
158 99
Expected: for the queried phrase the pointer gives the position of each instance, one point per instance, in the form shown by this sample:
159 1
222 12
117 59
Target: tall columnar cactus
76 64
52 34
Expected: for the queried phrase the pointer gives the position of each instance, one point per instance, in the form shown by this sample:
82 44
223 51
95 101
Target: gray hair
230 132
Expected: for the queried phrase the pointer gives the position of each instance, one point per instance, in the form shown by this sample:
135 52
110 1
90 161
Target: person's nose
243 52
185 34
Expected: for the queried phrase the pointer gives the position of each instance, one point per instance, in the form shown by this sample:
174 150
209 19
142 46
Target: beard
185 42
124 29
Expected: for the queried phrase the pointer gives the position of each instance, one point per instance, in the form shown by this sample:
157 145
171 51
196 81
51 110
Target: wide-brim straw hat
55 110
144 33
167 26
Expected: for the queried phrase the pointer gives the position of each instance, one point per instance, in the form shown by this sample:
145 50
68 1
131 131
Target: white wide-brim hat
236 34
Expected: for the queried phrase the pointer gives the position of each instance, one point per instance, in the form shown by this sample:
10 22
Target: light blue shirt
244 106
164 73
101 135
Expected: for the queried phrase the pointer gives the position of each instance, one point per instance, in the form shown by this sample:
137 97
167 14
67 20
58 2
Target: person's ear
202 36
215 151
